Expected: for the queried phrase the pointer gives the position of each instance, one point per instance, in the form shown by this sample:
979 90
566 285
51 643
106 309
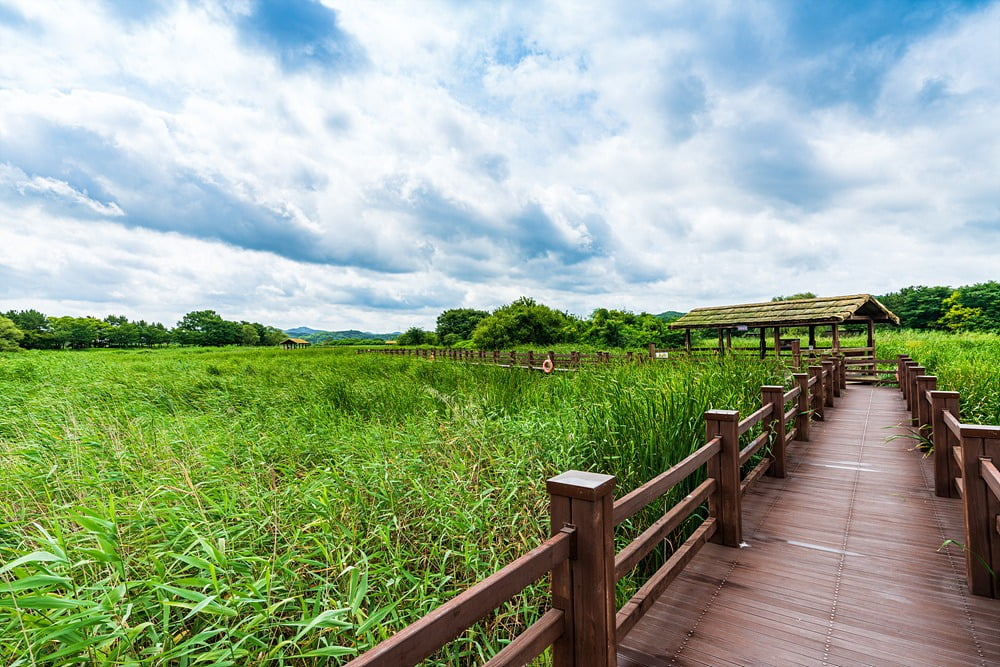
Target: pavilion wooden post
871 337
763 342
835 332
777 341
652 351
687 341
725 503
818 393
774 426
831 380
945 465
796 353
722 343
812 336
802 416
584 586
980 457
729 341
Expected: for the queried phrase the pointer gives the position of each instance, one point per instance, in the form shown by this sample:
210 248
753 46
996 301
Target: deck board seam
847 532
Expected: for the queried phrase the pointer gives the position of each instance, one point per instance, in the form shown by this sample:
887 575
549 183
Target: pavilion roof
852 309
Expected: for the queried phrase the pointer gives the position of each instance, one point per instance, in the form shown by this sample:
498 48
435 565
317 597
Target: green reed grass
264 507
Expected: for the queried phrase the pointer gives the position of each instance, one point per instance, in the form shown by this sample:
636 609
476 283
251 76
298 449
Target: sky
370 164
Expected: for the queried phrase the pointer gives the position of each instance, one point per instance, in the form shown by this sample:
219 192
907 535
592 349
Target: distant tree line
970 308
31 329
525 321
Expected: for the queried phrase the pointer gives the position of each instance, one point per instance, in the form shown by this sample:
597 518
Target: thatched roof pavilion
832 311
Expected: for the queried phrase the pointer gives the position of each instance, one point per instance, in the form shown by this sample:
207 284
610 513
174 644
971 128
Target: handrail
419 640
632 502
747 452
991 476
632 611
953 424
964 467
532 642
641 546
581 552
755 418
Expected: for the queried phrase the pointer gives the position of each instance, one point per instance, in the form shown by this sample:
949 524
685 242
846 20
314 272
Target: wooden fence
859 365
966 457
582 623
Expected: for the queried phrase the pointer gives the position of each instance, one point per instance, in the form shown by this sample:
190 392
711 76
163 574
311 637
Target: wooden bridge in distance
842 546
843 563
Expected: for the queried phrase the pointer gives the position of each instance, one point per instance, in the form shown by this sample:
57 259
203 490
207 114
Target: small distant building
292 343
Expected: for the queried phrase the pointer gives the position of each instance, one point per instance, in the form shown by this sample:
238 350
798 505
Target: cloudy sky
370 164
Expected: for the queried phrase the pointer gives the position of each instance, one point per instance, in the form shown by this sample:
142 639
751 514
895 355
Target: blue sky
370 164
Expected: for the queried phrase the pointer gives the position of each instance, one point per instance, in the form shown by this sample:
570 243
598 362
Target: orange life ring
547 366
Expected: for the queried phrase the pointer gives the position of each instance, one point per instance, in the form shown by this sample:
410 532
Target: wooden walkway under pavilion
843 563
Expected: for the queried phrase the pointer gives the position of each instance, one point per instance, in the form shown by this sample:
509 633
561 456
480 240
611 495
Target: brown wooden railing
966 457
532 360
582 624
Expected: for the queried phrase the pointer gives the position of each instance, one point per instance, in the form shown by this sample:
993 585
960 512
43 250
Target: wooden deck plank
844 565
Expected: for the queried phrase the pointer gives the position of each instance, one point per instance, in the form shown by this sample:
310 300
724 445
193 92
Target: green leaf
33 557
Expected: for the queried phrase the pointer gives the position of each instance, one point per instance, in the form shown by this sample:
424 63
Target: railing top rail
991 476
419 640
755 418
629 504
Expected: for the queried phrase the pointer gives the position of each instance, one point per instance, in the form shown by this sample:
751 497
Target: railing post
775 427
907 373
900 360
831 382
945 466
816 400
584 586
914 404
652 351
925 383
982 542
802 416
725 503
842 365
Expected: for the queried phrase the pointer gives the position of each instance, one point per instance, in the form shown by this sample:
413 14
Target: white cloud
584 154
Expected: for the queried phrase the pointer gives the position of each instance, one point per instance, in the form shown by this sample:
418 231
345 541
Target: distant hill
669 315
317 336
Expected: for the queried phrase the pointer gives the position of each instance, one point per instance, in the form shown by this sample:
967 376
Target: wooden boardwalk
843 563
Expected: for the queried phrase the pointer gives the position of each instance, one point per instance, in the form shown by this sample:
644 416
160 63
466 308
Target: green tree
249 334
918 306
457 324
206 327
77 332
412 336
36 328
10 334
520 322
973 308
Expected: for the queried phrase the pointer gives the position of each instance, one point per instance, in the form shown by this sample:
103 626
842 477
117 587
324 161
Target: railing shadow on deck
582 624
966 457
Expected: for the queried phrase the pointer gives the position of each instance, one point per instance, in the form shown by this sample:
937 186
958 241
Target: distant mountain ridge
669 315
320 336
